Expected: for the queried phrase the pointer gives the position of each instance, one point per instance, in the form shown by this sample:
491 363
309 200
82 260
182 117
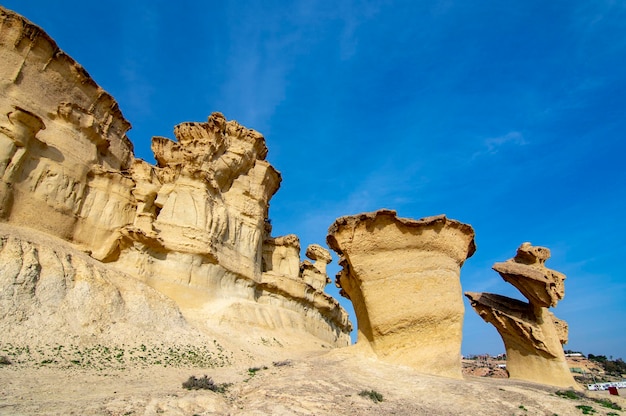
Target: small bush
4 360
253 370
375 396
574 395
205 383
281 363
587 410
569 394
608 404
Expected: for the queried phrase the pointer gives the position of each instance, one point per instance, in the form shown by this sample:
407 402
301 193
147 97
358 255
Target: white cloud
492 145
495 143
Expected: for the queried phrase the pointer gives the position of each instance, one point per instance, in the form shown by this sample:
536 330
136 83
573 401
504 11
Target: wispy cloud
353 15
493 145
269 50
138 90
256 72
138 96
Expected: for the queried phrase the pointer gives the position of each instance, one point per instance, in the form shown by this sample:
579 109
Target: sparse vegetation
4 360
101 357
574 395
608 404
569 394
587 410
281 363
253 370
271 342
205 383
612 367
375 396
521 406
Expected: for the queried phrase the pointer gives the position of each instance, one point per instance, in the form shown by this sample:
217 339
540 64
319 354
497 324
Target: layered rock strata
532 335
194 226
402 276
52 293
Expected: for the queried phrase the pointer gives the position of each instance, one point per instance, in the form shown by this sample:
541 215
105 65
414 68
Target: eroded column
532 335
402 276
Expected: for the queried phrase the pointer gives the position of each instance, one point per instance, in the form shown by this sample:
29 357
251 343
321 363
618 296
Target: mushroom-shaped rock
314 274
320 255
527 272
402 276
532 335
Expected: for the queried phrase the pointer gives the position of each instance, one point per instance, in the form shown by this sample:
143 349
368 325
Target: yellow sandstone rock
532 335
402 276
194 226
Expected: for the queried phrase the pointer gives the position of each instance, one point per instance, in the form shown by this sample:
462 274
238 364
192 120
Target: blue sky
510 117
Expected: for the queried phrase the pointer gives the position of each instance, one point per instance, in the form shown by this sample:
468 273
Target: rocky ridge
194 227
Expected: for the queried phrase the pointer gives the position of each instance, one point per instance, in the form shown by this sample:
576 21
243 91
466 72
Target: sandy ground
313 383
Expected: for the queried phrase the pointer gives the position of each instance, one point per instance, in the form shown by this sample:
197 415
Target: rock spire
532 335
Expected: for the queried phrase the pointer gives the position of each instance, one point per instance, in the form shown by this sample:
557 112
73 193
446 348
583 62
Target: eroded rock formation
194 226
532 335
402 276
52 293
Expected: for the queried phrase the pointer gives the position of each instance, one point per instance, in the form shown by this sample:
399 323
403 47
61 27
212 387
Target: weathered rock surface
528 273
52 293
402 276
315 273
194 226
532 335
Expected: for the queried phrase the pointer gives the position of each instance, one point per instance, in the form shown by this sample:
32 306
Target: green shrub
253 370
587 410
614 367
205 383
372 394
607 403
569 394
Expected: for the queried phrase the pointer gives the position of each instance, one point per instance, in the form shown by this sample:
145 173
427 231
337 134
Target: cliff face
50 292
194 226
